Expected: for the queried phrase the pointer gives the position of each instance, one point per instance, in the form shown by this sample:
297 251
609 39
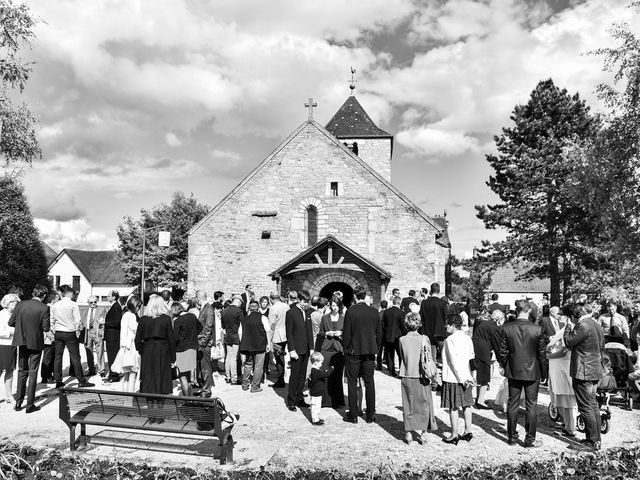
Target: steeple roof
351 121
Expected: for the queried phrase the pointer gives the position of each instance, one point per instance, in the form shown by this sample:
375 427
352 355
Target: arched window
312 225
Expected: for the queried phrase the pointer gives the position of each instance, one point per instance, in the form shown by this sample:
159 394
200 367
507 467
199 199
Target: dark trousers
380 356
360 366
69 340
205 365
113 345
48 356
585 391
296 380
279 354
28 364
437 346
531 402
390 350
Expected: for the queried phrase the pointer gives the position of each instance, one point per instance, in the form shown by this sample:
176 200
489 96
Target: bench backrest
168 407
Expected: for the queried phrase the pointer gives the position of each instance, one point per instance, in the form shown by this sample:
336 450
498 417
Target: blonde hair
9 297
412 321
156 306
498 317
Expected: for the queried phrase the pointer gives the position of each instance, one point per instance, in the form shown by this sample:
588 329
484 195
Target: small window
334 189
312 225
266 234
76 283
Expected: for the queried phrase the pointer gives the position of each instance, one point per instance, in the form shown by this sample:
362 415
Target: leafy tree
166 266
541 218
23 261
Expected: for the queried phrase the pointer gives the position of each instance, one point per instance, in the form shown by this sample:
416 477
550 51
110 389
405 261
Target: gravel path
269 435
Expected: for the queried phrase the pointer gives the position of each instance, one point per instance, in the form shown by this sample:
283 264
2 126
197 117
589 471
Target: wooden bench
143 411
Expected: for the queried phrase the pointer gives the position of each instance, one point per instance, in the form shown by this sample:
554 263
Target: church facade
319 214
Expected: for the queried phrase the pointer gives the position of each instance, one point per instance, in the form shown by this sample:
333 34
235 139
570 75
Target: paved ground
268 434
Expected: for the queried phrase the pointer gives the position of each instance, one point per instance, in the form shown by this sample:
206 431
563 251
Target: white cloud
172 140
437 143
72 234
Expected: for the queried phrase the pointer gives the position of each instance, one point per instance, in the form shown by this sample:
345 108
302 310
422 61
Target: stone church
320 214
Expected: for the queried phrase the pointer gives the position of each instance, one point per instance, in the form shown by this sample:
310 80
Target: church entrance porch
328 266
332 287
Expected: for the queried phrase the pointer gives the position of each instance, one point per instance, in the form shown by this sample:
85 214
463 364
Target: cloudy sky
140 98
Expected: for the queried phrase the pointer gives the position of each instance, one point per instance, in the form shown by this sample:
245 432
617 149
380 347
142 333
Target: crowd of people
433 346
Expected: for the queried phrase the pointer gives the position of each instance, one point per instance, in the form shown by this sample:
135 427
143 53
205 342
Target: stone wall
376 152
226 251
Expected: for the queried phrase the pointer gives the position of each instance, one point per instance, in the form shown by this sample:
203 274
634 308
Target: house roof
49 253
351 120
346 150
98 266
505 279
320 246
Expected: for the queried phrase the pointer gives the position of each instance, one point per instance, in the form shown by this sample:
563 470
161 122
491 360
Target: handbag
557 350
217 352
175 372
427 366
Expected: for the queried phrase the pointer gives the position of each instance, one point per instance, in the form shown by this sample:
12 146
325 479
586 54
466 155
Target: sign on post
164 239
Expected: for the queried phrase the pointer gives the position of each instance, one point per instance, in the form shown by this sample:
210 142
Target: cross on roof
310 104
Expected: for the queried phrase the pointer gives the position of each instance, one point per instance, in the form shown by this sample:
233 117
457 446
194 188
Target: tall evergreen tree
22 259
531 171
166 266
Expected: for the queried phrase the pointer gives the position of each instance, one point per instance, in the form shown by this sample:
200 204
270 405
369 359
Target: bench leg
72 437
226 450
83 435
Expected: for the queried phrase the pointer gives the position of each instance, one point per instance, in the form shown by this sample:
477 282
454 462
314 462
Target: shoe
102 373
421 440
319 423
370 419
452 439
256 390
585 447
292 408
86 384
227 380
480 406
466 437
59 384
302 404
512 441
18 406
32 408
91 373
8 399
278 384
408 438
245 388
534 444
349 419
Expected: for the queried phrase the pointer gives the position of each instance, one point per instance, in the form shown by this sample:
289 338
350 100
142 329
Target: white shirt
65 316
458 350
6 332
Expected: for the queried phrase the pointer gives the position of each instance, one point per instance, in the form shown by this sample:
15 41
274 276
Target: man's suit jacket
299 332
362 332
521 350
207 337
112 322
404 305
497 306
31 319
586 342
433 312
98 322
391 324
547 327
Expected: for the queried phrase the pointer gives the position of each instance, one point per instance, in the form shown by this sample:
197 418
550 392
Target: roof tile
352 121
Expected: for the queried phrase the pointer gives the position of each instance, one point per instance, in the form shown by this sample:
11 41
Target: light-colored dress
560 386
128 359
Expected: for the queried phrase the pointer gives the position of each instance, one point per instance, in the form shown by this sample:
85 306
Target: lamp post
144 246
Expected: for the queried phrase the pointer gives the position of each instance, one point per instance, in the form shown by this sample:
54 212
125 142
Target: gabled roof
49 253
504 279
320 246
98 266
336 142
351 120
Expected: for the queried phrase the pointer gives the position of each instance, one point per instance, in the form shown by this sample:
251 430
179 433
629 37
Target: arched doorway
330 288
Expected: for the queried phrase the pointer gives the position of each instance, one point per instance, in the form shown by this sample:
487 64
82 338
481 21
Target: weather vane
353 81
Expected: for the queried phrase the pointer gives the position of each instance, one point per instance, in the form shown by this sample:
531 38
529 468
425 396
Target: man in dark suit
361 338
246 298
406 301
30 320
585 338
391 333
300 345
521 353
383 307
112 332
495 305
206 340
433 312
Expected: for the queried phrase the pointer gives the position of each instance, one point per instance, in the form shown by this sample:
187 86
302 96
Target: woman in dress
417 402
329 343
127 362
560 383
457 379
157 347
485 341
7 352
186 328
